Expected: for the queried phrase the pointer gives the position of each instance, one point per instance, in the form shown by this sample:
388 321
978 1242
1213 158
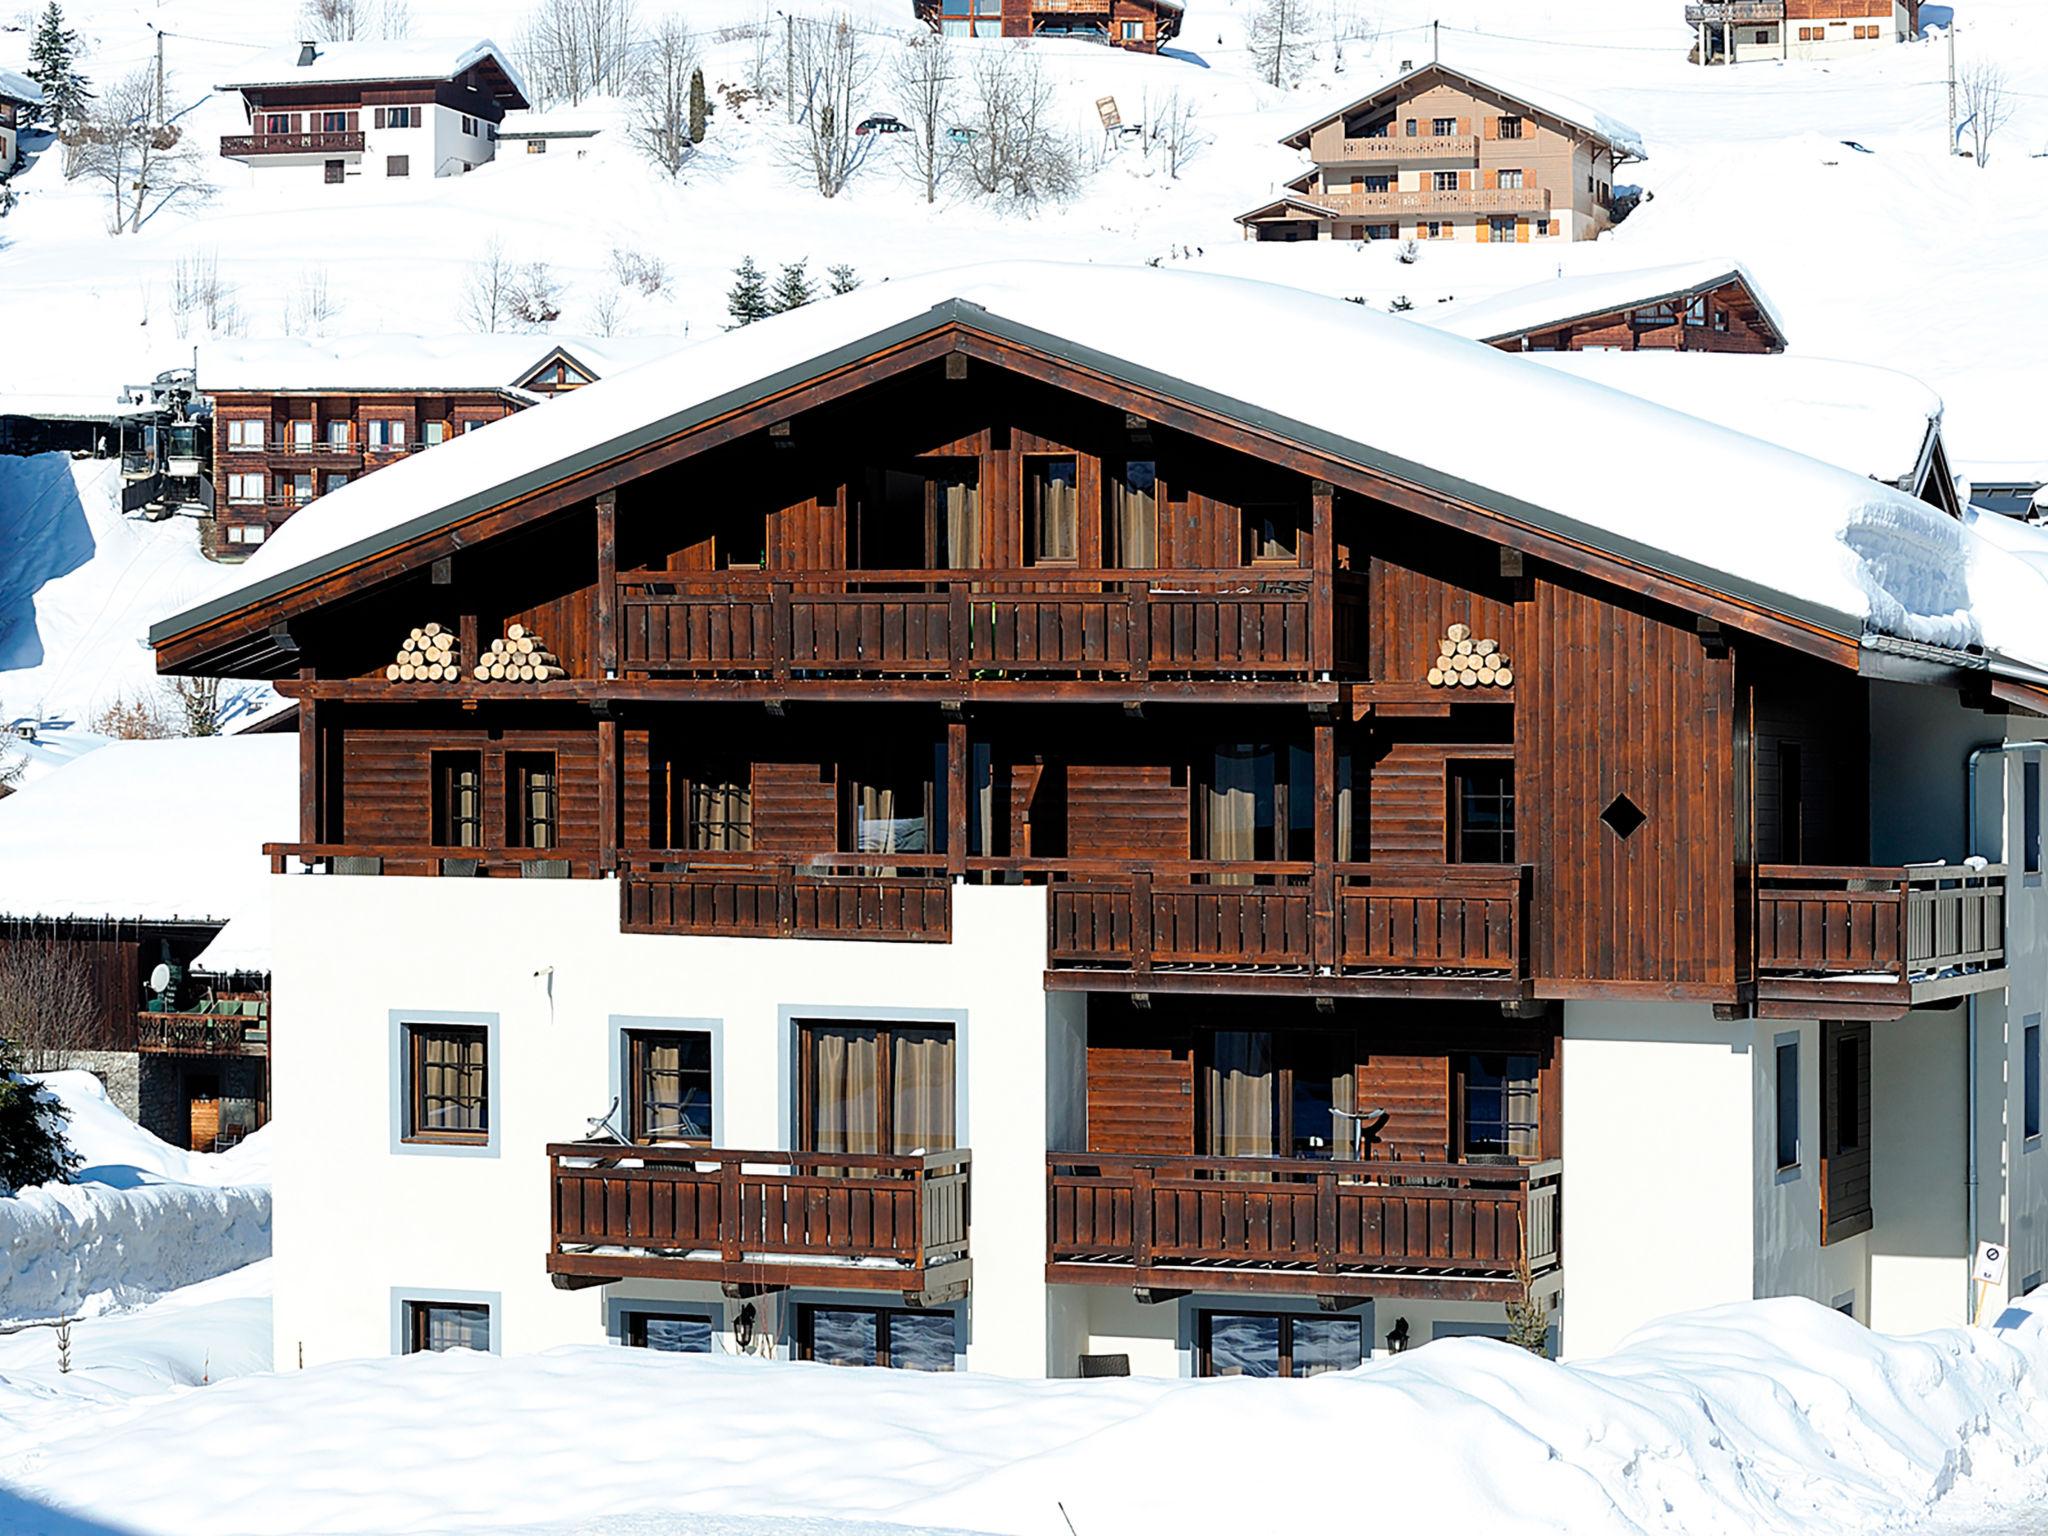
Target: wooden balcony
211 1032
1871 943
1394 149
1448 1231
1370 930
757 1221
245 146
758 896
1058 627
1735 12
419 859
1431 204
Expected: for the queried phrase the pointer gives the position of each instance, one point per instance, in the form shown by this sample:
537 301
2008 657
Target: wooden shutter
1492 181
1493 127
380 117
1464 126
1481 231
1521 231
1464 181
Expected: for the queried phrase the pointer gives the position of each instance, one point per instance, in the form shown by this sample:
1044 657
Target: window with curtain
1052 502
955 516
1257 802
1134 516
532 811
877 1088
720 811
1483 812
458 799
1272 1093
1500 1105
449 1082
668 1085
889 810
1270 532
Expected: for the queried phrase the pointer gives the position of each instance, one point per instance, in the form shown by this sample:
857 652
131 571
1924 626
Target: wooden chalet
1339 769
1143 26
1701 307
19 97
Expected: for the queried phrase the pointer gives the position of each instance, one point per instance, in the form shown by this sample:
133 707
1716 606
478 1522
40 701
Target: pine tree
53 64
747 300
698 110
844 278
32 1145
793 289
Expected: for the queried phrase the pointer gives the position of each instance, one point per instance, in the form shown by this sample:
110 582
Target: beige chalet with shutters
1441 155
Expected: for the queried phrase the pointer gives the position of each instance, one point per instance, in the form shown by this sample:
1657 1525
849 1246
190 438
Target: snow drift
143 1217
1775 1416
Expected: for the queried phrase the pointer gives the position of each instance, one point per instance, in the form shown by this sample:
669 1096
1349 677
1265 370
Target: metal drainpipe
1988 749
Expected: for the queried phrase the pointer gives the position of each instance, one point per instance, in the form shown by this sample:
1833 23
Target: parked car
882 122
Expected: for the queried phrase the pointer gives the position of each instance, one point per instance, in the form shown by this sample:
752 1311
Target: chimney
307 53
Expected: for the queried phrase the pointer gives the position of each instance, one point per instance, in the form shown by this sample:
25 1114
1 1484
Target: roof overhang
1282 207
1837 632
1671 296
1299 139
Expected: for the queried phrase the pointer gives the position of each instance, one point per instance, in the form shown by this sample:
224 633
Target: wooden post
467 628
309 764
731 1244
1323 882
607 794
607 584
1141 919
1140 637
960 631
1141 1217
958 789
1322 616
780 642
1326 1220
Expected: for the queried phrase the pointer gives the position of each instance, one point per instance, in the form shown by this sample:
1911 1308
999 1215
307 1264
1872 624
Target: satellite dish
160 978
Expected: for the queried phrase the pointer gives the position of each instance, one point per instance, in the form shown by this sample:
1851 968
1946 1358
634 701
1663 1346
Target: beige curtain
1057 509
879 830
721 815
921 1080
1231 804
845 1077
1136 518
1240 1095
1346 853
452 1082
960 506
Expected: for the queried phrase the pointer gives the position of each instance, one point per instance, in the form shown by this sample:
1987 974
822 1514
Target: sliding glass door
876 1088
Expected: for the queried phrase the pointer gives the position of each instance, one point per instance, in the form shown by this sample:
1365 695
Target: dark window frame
1205 1364
886 1030
1036 479
2030 814
1464 794
633 1323
419 1112
455 826
884 1356
419 1324
639 1105
2030 1078
533 800
1515 1076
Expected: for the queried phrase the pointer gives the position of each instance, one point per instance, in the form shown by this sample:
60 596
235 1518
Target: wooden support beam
958 761
309 765
1323 890
1322 603
607 793
608 583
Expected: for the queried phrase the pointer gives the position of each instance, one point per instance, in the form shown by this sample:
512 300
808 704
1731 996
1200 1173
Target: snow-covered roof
1562 300
156 831
366 63
1871 421
1666 490
42 407
364 364
19 88
1555 104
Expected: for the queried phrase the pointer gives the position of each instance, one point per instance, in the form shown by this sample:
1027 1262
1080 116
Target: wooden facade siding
1299 1226
845 1220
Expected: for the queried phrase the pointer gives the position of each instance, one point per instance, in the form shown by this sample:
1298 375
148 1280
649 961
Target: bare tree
924 76
832 69
136 718
535 297
661 96
310 307
49 1006
608 312
1017 152
195 704
146 164
1988 103
487 290
1177 129
766 66
576 48
1279 36
1350 26
343 21
199 292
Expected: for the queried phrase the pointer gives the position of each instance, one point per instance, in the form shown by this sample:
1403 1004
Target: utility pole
789 64
1950 147
160 75
1436 54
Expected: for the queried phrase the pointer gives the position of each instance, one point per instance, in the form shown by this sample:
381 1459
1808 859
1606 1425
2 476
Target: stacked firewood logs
430 654
521 657
1463 662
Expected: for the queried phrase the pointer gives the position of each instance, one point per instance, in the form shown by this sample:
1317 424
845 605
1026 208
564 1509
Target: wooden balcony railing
1127 625
1420 926
1915 934
1391 148
1739 12
846 1220
1454 1231
421 859
238 146
1427 202
209 1033
740 895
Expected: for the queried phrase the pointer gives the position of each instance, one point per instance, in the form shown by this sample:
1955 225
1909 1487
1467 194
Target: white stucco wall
356 1218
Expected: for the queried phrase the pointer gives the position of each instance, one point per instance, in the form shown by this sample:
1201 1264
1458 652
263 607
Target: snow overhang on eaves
971 316
1691 290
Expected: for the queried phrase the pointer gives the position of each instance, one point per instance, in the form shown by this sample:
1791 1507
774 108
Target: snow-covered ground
1766 1417
139 1219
